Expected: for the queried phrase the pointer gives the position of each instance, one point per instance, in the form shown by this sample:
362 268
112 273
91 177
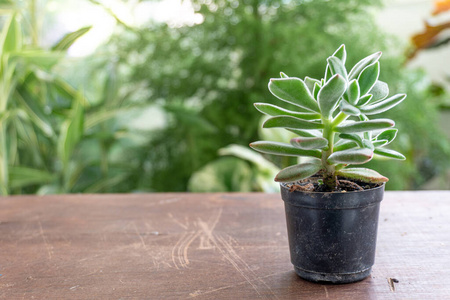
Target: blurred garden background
111 96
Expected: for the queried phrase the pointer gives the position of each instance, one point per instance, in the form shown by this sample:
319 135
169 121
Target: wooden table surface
204 246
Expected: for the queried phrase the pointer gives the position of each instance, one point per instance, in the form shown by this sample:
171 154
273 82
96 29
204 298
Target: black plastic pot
332 236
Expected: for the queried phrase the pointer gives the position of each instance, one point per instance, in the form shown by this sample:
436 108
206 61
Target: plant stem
329 177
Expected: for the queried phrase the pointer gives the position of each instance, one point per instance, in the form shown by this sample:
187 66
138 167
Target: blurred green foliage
201 80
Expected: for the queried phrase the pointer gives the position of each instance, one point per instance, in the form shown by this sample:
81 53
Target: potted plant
331 207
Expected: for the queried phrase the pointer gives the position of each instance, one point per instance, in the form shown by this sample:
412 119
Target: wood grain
204 246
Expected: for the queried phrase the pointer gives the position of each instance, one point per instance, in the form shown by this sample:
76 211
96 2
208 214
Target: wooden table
204 246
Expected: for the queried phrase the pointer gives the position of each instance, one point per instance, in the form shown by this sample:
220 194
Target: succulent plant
332 121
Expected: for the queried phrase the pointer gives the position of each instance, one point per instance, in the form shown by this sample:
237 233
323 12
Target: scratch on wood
44 238
175 248
391 282
177 222
326 291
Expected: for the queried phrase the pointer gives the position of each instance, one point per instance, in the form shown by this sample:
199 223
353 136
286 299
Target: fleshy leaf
388 135
353 92
362 126
330 94
362 64
337 67
306 133
352 137
364 100
341 53
389 153
298 172
310 82
283 75
283 149
290 122
316 90
368 78
308 143
349 109
379 143
344 145
294 91
380 90
362 174
273 110
351 156
383 105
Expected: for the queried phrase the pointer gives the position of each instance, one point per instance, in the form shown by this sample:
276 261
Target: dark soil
313 184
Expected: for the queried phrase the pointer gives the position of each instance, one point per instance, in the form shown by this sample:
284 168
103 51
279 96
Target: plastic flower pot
332 236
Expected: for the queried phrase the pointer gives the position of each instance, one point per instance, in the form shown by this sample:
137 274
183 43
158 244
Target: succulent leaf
330 94
283 75
273 110
337 67
308 143
344 145
353 92
310 83
298 172
362 126
352 137
362 174
383 105
294 91
316 90
388 135
389 153
306 133
379 143
351 156
362 64
290 122
348 108
380 90
341 54
368 78
364 100
283 149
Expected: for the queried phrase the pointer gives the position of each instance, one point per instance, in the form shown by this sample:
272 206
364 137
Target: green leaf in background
351 156
308 143
298 172
362 174
69 39
383 105
11 36
362 64
283 149
362 126
294 91
290 122
368 78
389 153
330 94
273 110
22 176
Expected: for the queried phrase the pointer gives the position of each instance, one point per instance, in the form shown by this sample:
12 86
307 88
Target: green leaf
383 105
283 149
283 75
380 90
294 91
290 122
353 92
337 67
311 82
351 156
352 137
362 174
308 143
388 135
316 90
364 100
368 78
22 176
341 53
379 143
273 110
362 126
298 172
306 133
11 36
348 108
362 64
330 94
69 39
389 153
344 145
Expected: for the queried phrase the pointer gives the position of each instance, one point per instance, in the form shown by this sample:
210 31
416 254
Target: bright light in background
71 15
